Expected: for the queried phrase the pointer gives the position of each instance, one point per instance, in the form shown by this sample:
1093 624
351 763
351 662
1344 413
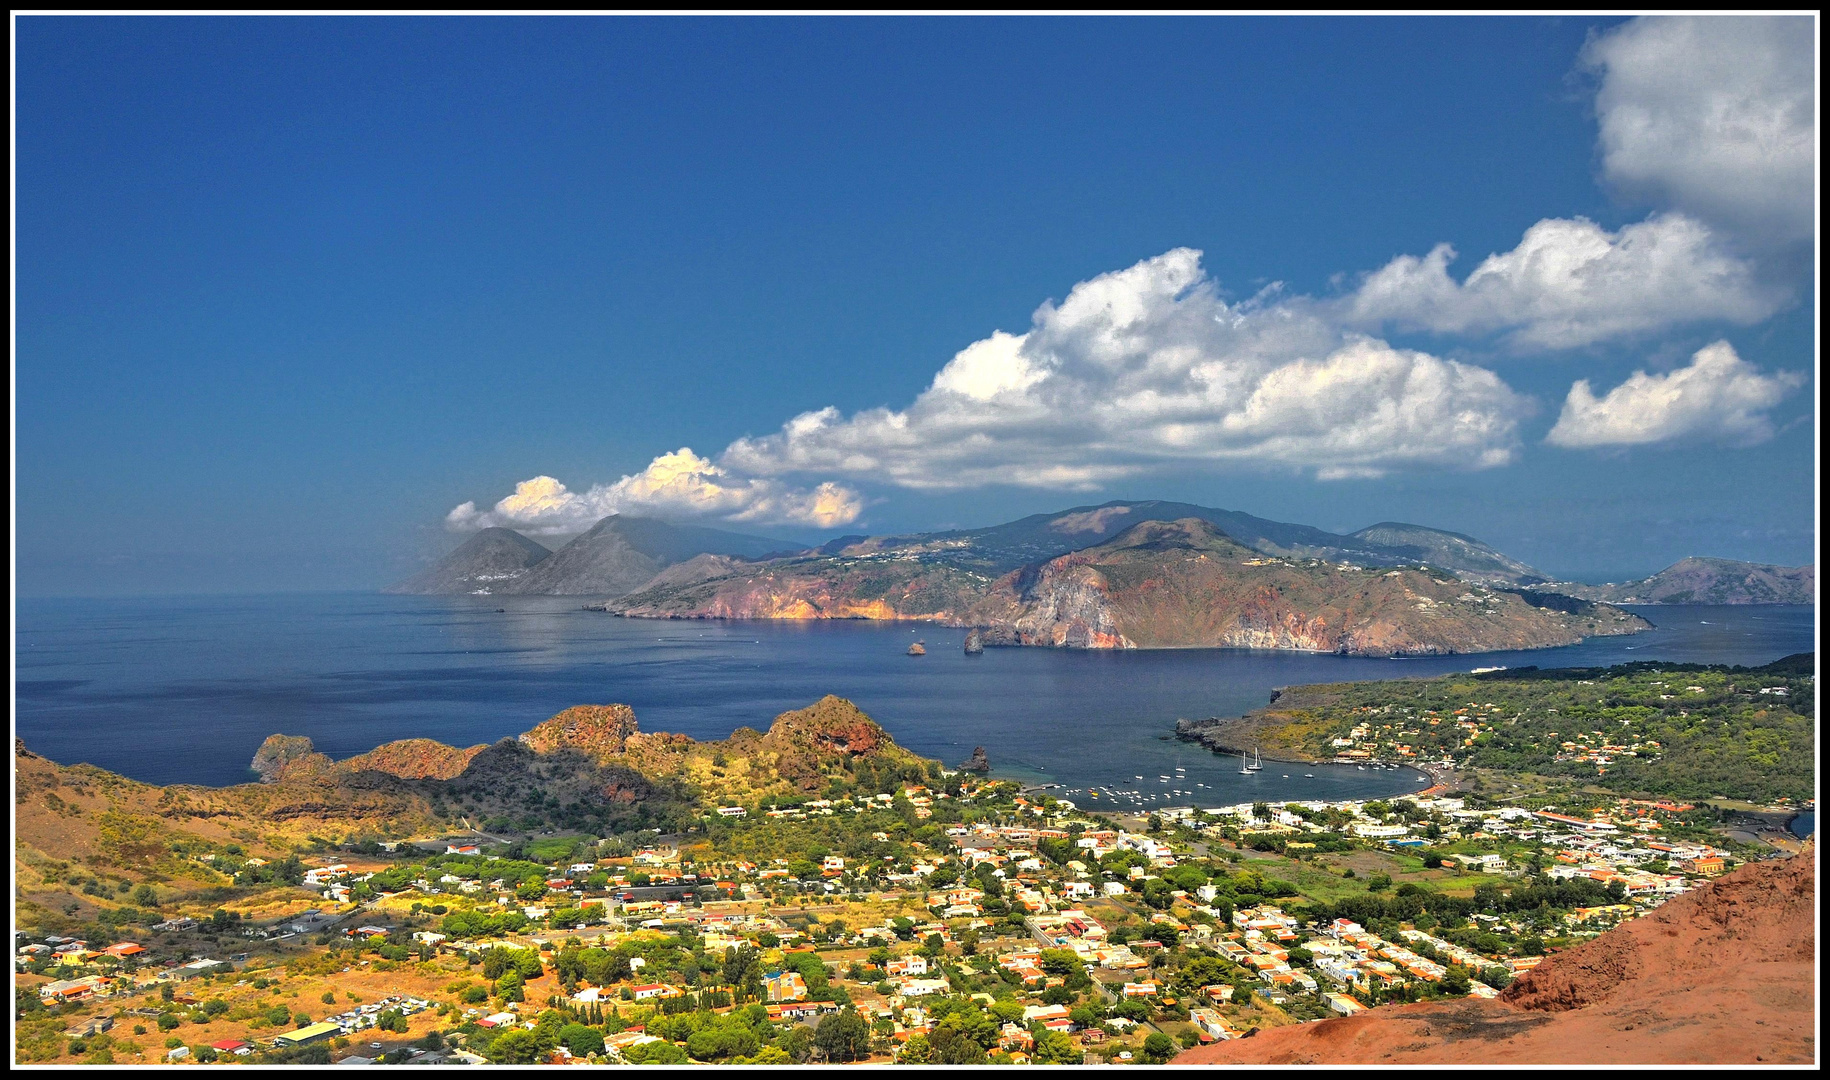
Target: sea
184 689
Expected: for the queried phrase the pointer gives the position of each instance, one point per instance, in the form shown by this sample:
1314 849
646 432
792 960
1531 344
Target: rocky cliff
859 586
1184 584
1156 584
1722 975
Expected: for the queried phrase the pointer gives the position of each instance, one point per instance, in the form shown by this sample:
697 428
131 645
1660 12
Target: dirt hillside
1722 975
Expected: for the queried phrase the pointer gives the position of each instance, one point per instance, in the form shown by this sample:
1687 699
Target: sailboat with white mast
1257 762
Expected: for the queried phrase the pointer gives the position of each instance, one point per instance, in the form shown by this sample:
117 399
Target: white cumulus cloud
1713 115
680 484
1149 366
1718 398
1569 283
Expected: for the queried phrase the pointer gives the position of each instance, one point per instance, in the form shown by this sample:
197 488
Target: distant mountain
1001 548
622 553
1451 551
616 555
487 562
1178 584
1708 581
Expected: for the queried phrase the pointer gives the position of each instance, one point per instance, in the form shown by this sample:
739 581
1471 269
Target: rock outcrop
413 759
977 763
599 730
281 756
1725 974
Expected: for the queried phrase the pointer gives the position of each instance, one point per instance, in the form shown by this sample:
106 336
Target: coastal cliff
1155 585
1185 584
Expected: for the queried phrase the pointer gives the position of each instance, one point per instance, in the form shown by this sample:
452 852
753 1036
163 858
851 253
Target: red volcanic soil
1725 974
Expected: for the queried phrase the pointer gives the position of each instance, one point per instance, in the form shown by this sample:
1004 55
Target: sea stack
918 649
975 642
977 763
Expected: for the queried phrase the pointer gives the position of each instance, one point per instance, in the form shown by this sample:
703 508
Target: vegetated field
1680 730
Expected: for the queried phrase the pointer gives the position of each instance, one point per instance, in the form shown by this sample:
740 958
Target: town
958 920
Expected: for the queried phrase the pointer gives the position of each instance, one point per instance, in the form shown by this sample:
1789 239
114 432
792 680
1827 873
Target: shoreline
950 622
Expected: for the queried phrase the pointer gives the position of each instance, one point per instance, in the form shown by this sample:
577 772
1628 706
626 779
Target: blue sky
300 300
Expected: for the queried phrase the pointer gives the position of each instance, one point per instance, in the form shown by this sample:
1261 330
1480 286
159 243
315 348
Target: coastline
997 638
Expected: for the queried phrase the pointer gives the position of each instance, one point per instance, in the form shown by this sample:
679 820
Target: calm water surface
183 690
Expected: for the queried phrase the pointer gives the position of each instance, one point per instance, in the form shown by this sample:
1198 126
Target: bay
184 689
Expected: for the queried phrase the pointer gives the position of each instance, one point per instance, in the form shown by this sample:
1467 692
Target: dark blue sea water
172 690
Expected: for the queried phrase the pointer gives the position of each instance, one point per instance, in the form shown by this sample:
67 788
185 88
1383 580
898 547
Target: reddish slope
1725 974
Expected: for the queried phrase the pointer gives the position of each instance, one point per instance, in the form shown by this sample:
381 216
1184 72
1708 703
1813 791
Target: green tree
582 1040
1159 1047
952 1046
1054 1048
655 1053
514 1047
843 1036
916 1051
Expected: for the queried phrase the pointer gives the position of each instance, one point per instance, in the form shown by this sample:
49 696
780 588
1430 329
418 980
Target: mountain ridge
617 554
588 767
1704 580
1155 584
